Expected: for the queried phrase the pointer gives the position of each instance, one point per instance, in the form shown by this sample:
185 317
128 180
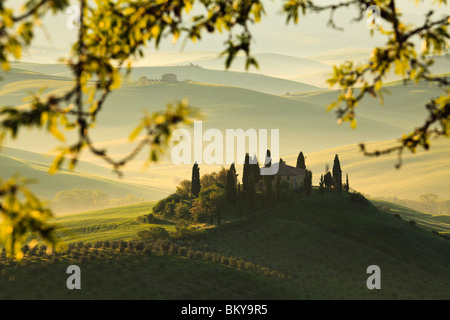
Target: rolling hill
246 80
270 64
106 224
310 248
35 166
301 118
421 173
432 222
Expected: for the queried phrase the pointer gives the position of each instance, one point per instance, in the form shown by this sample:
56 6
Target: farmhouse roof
287 170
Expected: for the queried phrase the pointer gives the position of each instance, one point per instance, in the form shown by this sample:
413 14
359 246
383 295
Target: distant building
292 175
169 77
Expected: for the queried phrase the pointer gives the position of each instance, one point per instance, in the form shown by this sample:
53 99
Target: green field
47 185
438 223
107 224
310 248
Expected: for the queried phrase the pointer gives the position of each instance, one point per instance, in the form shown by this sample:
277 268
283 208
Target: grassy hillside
270 64
301 118
421 173
438 223
404 106
246 80
105 225
315 248
35 166
298 116
229 107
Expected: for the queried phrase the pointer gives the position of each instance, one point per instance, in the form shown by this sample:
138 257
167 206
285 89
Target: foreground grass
139 276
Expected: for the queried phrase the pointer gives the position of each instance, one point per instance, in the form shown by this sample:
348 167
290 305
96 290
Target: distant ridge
35 166
244 80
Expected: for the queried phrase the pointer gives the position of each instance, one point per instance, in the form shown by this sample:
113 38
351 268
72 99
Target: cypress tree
195 182
251 192
301 161
246 172
337 174
231 191
321 185
347 186
307 183
268 180
255 169
233 171
328 180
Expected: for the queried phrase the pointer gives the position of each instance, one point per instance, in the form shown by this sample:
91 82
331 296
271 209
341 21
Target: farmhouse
287 174
169 77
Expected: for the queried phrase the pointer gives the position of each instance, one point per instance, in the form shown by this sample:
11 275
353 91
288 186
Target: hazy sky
311 37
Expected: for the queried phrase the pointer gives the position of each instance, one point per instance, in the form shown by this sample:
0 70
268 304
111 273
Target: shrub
358 198
184 189
182 251
3 254
182 211
154 233
183 230
166 207
265 271
232 262
25 249
197 212
215 258
42 249
173 249
148 249
115 244
139 246
224 260
412 222
248 266
164 247
123 245
207 256
147 219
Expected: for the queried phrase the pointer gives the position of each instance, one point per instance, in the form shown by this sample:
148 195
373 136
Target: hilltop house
169 77
291 175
